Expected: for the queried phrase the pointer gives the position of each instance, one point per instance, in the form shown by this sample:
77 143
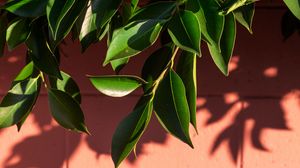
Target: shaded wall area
249 119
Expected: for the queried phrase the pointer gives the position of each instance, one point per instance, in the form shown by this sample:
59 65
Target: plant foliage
130 27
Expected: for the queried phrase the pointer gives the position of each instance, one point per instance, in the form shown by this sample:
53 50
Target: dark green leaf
130 130
294 6
163 10
66 111
186 69
221 54
68 85
244 15
133 39
18 102
159 59
211 22
40 53
116 85
185 31
26 8
62 15
171 107
104 10
134 4
3 26
17 33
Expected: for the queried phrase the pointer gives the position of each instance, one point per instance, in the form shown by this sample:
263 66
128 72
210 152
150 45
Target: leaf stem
43 79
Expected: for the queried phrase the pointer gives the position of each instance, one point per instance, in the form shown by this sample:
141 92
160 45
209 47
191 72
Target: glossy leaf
159 59
118 64
26 8
130 130
3 26
294 6
231 5
244 15
163 10
211 22
87 28
104 10
67 85
116 85
62 15
186 69
171 107
133 39
40 54
222 54
17 33
18 102
66 111
185 31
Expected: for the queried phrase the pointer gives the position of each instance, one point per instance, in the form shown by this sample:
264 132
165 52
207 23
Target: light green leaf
133 39
116 85
104 10
118 64
130 130
294 6
67 85
18 102
40 53
186 69
17 32
163 10
185 31
26 8
244 15
66 111
171 107
26 72
231 5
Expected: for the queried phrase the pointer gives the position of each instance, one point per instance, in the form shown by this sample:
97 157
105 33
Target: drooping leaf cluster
130 27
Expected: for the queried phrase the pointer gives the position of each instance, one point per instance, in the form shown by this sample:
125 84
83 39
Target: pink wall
249 119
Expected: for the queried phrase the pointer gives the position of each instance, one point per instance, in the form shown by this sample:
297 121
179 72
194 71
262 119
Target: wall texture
247 120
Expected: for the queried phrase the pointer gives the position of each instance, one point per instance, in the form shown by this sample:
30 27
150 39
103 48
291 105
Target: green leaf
133 39
17 33
231 5
186 69
118 64
67 85
171 107
104 10
211 22
134 4
130 130
221 54
244 15
40 53
26 72
66 111
159 59
26 8
163 10
87 28
62 15
116 85
3 26
18 102
185 31
294 6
